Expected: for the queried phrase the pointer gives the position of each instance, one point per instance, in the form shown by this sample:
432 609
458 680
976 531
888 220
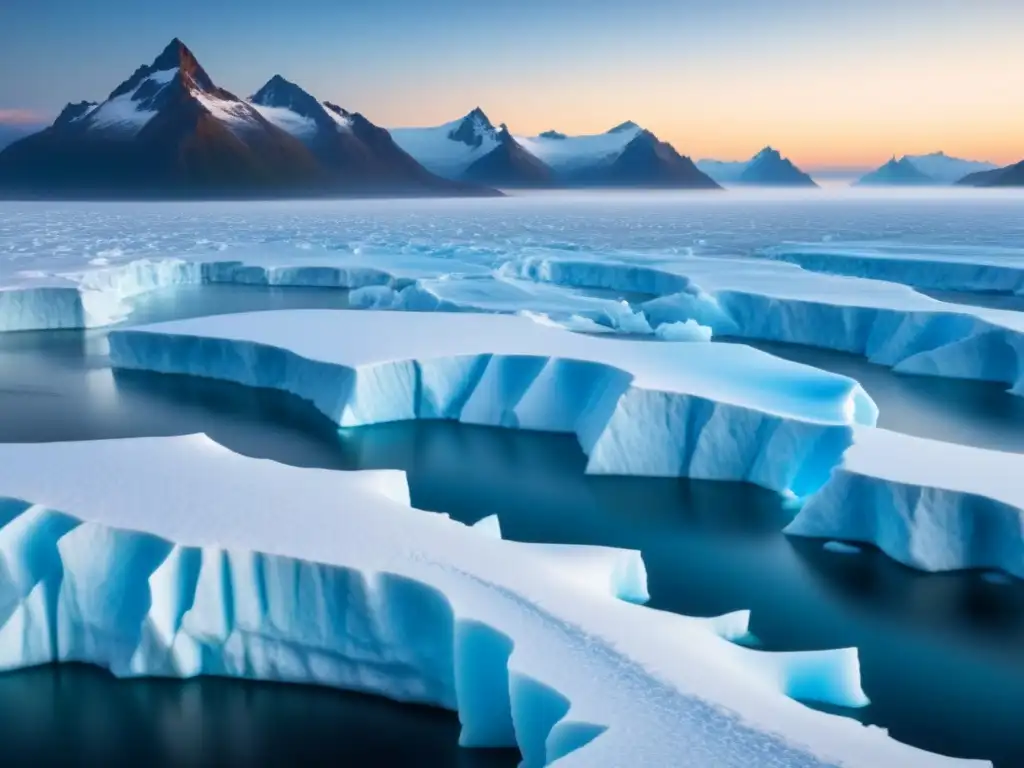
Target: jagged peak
629 125
768 152
279 92
552 135
176 57
478 115
74 111
339 110
471 129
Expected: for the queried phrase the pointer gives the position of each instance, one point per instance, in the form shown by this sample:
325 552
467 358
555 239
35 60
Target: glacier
694 409
200 561
767 300
991 269
930 505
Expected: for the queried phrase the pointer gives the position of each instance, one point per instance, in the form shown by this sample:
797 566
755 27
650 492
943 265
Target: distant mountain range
767 168
934 169
474 149
169 131
1010 176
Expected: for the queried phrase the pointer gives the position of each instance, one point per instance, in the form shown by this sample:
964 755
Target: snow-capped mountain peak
474 129
284 94
627 127
74 112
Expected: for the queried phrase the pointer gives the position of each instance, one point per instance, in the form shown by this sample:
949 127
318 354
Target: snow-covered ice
949 268
930 505
768 300
691 409
200 561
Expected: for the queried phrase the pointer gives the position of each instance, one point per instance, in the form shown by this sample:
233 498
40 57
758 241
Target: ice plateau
200 561
690 409
930 505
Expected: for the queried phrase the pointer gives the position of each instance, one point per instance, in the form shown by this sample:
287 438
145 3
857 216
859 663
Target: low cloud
21 117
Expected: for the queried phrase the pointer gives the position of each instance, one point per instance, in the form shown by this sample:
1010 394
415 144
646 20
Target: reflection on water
942 656
81 716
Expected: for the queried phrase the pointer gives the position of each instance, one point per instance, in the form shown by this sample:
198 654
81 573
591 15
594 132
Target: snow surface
952 268
238 115
439 153
202 561
288 121
573 152
769 300
691 409
123 113
930 505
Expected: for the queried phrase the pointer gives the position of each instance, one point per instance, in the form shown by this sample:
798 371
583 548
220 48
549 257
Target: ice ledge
769 300
698 410
201 561
930 505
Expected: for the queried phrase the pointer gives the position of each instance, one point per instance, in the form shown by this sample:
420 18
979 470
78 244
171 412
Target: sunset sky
828 82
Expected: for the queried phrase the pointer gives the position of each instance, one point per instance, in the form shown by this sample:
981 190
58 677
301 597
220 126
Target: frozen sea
942 655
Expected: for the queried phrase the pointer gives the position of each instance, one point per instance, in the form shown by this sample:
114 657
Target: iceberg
713 411
201 561
768 300
941 268
930 505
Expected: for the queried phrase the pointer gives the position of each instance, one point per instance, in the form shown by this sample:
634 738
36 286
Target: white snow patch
288 121
574 152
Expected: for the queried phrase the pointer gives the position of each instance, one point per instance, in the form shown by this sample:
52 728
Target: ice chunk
700 410
930 505
201 561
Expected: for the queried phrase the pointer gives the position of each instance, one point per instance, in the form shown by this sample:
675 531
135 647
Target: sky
830 83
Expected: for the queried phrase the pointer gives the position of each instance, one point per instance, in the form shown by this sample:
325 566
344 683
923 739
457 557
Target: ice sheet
673 409
201 561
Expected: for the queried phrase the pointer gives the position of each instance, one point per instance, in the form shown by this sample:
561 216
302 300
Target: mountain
625 156
12 132
473 149
948 170
358 155
900 172
767 168
1010 176
170 131
509 165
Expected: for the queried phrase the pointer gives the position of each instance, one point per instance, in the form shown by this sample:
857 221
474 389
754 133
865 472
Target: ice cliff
201 561
691 409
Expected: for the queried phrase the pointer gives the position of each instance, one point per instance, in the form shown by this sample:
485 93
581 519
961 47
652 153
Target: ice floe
692 409
177 557
950 268
767 300
930 505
